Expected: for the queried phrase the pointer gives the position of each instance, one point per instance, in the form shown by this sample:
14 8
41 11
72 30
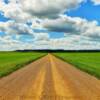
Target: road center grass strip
88 62
12 61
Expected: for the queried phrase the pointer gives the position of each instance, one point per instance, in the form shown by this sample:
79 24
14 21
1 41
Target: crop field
11 61
88 62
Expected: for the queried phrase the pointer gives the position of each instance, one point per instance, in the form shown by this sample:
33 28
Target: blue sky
87 10
2 18
63 25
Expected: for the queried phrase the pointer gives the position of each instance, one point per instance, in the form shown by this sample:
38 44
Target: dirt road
49 78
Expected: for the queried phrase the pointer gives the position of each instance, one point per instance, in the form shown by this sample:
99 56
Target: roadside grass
88 62
12 61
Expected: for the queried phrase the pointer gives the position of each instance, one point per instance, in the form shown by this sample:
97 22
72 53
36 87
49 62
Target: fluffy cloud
73 25
7 43
68 43
63 24
12 27
42 36
37 8
14 11
48 8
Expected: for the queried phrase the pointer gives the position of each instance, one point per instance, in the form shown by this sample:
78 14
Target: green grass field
11 61
88 62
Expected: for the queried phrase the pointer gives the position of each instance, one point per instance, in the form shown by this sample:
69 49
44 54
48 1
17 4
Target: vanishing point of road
49 78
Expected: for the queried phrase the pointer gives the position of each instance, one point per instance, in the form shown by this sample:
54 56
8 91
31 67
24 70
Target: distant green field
88 62
11 61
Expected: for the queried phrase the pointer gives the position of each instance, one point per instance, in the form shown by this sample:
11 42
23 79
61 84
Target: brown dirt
49 78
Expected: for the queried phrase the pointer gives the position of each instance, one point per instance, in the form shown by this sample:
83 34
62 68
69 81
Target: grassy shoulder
12 61
88 62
